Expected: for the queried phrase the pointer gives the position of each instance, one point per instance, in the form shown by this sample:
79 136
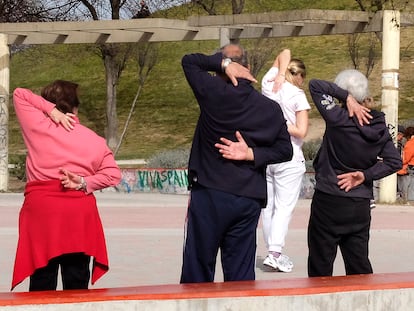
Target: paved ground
144 234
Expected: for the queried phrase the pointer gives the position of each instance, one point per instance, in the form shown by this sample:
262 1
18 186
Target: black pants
218 220
338 221
74 268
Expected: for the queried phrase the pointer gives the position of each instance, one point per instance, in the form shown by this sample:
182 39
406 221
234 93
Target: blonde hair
296 67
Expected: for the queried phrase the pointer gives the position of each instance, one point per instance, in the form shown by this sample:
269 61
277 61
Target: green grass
166 113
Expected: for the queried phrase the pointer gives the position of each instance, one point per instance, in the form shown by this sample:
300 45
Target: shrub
177 158
310 148
18 169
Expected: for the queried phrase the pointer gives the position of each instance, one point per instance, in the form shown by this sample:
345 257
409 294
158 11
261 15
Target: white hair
354 82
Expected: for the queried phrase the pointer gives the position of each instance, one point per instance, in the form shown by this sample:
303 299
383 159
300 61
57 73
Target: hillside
166 112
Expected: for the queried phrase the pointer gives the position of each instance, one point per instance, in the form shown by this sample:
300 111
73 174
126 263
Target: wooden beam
280 16
271 24
406 19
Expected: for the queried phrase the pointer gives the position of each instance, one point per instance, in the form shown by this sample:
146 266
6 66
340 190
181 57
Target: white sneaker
281 263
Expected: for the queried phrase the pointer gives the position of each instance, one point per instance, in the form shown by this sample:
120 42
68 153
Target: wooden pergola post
4 112
390 89
224 36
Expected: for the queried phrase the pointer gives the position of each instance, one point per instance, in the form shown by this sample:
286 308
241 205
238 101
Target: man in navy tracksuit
350 158
227 195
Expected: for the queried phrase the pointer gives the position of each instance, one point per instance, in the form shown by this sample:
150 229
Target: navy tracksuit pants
218 220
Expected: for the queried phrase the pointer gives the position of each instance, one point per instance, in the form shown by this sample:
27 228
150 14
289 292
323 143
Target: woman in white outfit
283 83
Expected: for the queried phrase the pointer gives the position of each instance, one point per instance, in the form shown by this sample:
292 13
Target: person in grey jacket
352 155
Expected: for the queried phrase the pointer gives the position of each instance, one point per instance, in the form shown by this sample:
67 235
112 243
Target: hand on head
65 119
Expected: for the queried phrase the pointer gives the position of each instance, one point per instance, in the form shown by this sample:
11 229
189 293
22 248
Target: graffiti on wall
174 181
148 180
393 131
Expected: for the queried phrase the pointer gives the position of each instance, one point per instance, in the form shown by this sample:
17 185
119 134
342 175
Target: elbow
312 85
394 165
398 165
115 178
301 134
286 52
17 92
185 61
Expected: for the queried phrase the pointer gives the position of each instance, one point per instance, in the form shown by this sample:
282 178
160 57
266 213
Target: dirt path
316 129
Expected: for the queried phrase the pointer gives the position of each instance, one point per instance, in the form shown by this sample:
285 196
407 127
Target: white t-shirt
291 99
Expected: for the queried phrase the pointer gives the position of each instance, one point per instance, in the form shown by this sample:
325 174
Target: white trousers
284 181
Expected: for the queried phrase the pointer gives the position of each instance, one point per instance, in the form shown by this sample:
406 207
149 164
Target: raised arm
324 93
272 81
282 62
197 68
32 108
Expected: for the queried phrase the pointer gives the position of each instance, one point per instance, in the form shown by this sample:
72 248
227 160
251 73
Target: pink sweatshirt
51 147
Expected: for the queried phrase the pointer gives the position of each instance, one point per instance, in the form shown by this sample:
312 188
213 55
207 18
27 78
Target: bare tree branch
210 6
91 9
353 49
14 11
147 57
259 52
372 56
207 5
237 6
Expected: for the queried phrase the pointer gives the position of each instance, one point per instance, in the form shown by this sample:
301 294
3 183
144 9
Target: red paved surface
291 287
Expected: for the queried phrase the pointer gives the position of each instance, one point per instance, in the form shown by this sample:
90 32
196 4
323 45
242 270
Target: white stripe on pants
284 181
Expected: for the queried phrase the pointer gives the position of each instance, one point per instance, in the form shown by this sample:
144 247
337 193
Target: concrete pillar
390 87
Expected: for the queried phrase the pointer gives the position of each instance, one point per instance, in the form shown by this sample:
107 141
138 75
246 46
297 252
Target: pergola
233 27
225 28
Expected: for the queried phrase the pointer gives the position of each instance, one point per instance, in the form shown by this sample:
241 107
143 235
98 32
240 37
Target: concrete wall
372 292
377 300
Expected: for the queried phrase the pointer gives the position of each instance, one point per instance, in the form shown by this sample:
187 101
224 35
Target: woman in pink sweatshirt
59 223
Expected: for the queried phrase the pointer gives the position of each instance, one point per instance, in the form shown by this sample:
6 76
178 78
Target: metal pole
390 88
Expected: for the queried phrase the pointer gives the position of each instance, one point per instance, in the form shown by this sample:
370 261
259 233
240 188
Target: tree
114 56
363 49
259 52
146 58
371 5
210 6
379 5
365 53
14 11
237 6
206 5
